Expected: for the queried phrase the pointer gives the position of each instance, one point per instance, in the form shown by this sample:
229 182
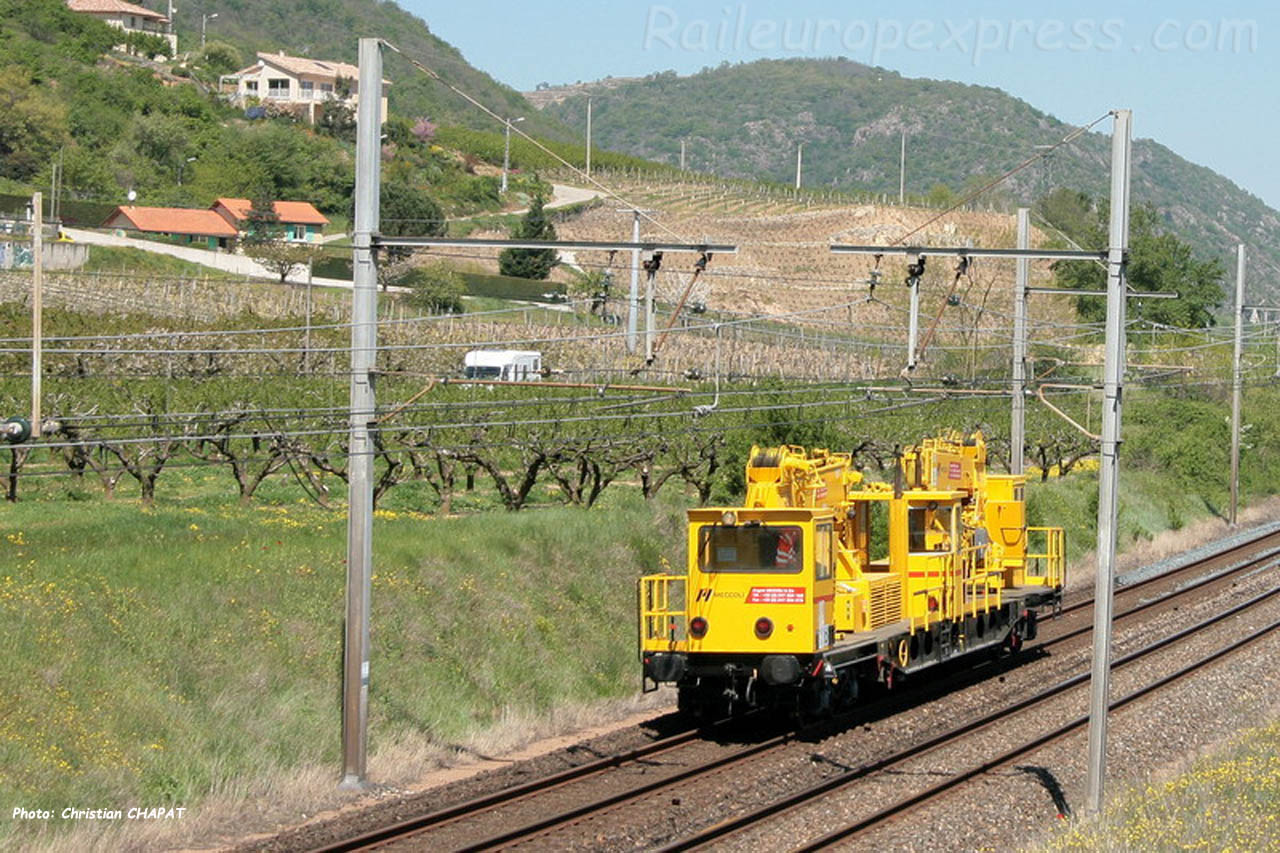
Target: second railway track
532 812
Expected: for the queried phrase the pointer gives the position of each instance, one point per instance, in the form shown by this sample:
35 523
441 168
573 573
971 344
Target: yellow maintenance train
820 583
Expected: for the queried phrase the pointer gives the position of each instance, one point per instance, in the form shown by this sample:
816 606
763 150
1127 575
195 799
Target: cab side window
822 551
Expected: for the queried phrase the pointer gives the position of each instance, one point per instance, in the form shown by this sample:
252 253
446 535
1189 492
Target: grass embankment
131 261
1228 800
163 656
194 650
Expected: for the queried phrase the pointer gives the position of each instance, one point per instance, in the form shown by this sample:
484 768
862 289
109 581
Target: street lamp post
204 23
506 152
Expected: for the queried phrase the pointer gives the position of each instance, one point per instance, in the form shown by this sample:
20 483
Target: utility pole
1113 378
306 343
913 321
799 163
1018 421
204 23
506 151
364 342
682 155
902 172
37 308
649 331
633 306
1235 386
588 136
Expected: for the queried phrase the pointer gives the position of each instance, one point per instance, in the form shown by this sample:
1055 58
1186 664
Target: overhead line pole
902 171
1108 473
364 342
1018 420
1236 380
37 309
588 136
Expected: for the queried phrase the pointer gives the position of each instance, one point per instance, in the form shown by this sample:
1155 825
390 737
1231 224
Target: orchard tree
530 263
281 257
436 287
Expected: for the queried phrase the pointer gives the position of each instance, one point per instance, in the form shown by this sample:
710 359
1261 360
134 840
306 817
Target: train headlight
729 519
697 627
764 627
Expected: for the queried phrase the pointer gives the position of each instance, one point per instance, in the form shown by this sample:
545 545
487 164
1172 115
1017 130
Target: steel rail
793 801
486 802
1057 734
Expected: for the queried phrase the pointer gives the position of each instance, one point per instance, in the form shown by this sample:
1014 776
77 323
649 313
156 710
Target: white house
129 17
301 83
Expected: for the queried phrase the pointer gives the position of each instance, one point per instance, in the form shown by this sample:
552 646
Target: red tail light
764 627
697 627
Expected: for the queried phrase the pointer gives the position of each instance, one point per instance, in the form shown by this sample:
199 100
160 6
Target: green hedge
510 287
85 214
478 284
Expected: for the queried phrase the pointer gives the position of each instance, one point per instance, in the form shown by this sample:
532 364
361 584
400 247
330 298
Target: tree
262 224
281 257
437 287
336 119
1070 211
33 124
593 285
405 211
530 263
221 57
1158 261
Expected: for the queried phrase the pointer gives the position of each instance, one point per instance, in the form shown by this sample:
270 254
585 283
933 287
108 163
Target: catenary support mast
364 342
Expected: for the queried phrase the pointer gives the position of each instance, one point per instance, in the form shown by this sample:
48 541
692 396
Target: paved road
562 195
240 265
225 261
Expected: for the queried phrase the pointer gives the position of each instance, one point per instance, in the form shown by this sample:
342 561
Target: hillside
116 123
329 29
747 120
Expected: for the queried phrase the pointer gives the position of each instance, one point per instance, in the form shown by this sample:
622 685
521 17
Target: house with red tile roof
301 221
300 83
202 228
130 17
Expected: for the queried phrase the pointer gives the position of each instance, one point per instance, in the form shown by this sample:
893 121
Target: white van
503 365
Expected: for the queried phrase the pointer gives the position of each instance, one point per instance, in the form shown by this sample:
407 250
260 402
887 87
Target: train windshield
773 550
472 371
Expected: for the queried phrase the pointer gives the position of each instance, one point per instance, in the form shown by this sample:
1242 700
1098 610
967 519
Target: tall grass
1227 800
164 656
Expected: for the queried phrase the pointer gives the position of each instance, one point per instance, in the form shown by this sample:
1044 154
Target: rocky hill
747 121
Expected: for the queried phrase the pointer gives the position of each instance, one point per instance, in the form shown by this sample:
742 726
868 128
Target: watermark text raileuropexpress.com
737 29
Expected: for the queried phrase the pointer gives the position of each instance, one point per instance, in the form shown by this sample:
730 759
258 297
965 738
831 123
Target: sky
1203 79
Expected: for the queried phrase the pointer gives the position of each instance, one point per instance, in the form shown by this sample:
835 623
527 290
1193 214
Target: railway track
902 806
533 809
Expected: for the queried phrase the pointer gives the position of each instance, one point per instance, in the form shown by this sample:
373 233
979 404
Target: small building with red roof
130 17
202 228
301 221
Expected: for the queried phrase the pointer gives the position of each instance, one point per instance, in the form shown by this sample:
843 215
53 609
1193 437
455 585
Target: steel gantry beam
971 252
571 245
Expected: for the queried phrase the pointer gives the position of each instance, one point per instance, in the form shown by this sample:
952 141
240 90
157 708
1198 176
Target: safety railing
662 612
980 589
936 606
1047 567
